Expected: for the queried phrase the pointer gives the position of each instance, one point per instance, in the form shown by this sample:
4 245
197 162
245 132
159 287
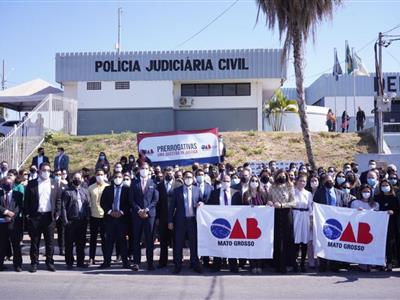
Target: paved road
116 283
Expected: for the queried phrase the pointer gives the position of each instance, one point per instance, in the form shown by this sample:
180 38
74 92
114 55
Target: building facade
170 90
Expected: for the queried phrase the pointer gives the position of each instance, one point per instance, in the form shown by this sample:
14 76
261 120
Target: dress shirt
117 197
168 185
39 160
44 188
222 197
202 187
187 195
95 191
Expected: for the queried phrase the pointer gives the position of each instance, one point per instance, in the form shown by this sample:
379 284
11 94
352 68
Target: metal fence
53 114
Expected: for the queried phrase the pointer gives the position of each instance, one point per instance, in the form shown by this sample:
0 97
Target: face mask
188 181
328 185
225 185
346 190
366 195
371 181
200 179
7 187
355 170
58 178
144 173
244 179
168 177
393 181
76 182
346 170
131 160
236 181
373 166
254 185
41 154
99 178
314 184
218 186
206 170
385 189
264 179
332 174
127 183
280 180
351 179
117 181
118 169
33 171
45 175
3 169
102 157
340 180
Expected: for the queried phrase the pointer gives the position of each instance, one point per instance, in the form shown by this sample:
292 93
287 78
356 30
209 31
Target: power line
209 24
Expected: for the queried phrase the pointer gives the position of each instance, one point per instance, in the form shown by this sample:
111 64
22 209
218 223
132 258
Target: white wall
142 94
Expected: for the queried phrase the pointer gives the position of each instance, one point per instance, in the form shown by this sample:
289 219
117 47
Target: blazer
208 188
107 199
176 212
165 200
69 204
64 163
320 197
15 205
35 160
235 200
31 201
147 199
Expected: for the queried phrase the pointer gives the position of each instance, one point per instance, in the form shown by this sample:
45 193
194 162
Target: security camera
392 95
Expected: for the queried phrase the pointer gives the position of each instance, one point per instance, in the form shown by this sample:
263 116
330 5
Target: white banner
182 147
350 235
235 231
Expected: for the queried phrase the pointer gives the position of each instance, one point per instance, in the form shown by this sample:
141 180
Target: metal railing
53 114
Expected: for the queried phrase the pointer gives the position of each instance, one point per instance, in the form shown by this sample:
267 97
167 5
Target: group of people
133 202
345 120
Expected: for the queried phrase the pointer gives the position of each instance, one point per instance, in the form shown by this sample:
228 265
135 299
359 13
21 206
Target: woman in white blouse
302 213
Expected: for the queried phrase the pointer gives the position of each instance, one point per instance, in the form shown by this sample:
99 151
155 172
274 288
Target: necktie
6 200
225 198
116 199
78 198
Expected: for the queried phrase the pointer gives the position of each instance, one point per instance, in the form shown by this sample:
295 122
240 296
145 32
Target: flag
349 60
350 235
359 68
337 69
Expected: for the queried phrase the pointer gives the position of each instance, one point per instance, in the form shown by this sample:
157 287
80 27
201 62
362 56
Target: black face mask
351 179
328 185
76 182
168 177
281 180
244 179
355 170
264 179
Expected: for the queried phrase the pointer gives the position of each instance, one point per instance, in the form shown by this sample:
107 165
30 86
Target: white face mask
372 166
58 178
127 183
254 185
366 195
118 169
45 175
100 178
188 181
144 173
200 179
236 181
117 181
225 185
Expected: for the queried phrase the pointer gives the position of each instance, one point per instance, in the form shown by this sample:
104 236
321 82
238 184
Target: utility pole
118 46
3 78
380 95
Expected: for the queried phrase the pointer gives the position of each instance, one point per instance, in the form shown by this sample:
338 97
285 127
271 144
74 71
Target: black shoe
160 266
235 270
126 265
118 259
50 267
303 268
135 267
33 268
70 267
61 253
296 268
18 269
177 270
82 265
104 266
389 268
3 268
198 269
215 270
150 267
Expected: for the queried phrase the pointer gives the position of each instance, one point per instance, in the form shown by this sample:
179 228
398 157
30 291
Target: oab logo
333 230
206 147
222 229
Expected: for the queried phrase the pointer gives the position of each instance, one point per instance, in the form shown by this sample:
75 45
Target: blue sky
33 31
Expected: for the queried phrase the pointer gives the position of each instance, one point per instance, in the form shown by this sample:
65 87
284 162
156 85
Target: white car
7 126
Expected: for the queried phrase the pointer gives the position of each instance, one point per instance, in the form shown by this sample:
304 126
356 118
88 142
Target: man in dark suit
40 158
243 185
182 218
327 194
225 196
75 213
61 161
42 207
115 204
144 198
11 206
166 193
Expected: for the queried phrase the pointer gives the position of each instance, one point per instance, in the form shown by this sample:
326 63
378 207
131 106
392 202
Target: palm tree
277 107
296 20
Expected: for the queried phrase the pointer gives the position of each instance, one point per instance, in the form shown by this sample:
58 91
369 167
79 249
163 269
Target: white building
163 91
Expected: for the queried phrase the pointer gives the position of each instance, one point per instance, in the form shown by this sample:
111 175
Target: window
215 89
94 85
122 85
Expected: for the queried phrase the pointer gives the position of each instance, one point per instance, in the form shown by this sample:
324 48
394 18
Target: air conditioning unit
185 102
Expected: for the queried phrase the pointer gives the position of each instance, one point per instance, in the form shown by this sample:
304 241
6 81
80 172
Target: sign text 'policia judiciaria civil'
163 65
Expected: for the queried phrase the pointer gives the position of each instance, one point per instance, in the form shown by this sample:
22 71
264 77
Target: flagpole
334 85
354 92
347 72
